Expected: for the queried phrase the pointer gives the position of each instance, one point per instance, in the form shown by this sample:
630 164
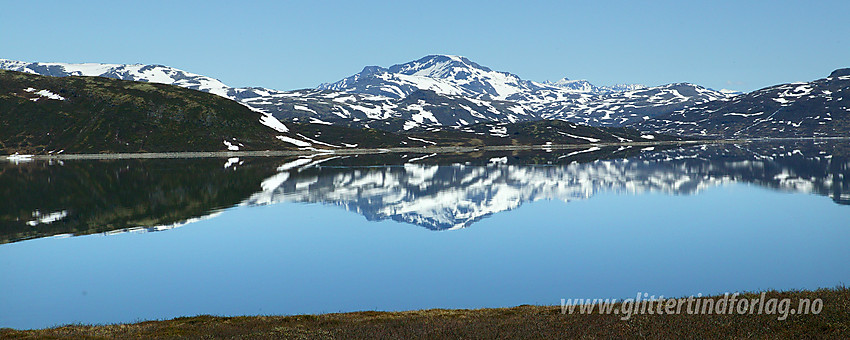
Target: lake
100 242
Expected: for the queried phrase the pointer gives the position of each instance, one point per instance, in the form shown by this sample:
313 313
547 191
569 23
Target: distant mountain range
454 81
51 115
819 108
452 91
456 75
449 90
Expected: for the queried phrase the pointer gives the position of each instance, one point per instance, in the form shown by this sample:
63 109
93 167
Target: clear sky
740 45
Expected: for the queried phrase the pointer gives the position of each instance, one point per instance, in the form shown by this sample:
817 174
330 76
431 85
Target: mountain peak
445 74
372 70
437 66
445 56
579 85
840 73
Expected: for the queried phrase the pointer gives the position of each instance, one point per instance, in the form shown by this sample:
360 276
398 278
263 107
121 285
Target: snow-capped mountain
572 100
584 86
805 109
628 107
434 90
444 74
581 85
456 75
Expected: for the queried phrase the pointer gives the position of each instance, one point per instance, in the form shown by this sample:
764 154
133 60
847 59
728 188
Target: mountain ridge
81 114
818 108
448 90
378 93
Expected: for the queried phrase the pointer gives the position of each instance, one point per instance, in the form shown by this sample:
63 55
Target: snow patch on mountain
43 93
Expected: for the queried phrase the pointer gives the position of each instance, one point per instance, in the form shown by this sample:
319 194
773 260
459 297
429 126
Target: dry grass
525 322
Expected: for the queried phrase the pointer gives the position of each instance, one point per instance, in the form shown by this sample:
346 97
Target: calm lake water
158 239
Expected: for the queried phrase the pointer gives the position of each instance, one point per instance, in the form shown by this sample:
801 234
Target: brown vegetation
525 322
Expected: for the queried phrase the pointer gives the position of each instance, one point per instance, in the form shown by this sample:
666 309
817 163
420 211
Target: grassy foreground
525 322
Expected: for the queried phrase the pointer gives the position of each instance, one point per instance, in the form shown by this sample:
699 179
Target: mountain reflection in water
438 192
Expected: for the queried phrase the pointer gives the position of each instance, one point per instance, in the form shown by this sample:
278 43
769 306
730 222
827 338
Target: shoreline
524 321
365 151
352 151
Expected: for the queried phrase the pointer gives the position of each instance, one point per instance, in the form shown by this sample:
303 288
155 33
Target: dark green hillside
108 115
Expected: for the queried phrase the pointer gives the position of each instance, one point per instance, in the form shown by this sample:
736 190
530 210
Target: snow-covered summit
584 86
444 74
457 75
579 85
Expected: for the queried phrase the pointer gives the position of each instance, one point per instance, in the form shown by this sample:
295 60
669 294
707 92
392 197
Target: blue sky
297 44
